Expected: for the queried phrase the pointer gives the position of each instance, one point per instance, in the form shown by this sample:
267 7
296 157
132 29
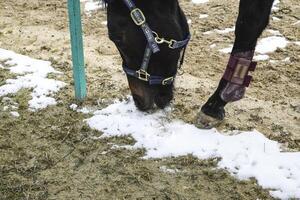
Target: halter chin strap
153 40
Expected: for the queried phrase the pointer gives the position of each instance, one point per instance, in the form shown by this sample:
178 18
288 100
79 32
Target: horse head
150 77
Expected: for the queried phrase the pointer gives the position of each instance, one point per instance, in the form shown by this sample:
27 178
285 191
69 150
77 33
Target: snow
220 31
207 32
271 44
104 23
31 74
15 114
246 155
275 5
274 32
200 1
226 30
202 16
73 107
276 18
168 170
212 46
226 50
84 110
261 57
91 6
265 45
287 59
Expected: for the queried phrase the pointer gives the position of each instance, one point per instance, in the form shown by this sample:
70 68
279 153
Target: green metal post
77 49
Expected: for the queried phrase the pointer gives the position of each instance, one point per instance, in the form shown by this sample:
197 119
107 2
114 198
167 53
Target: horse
151 37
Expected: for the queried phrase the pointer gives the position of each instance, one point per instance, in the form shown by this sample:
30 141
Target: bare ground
50 154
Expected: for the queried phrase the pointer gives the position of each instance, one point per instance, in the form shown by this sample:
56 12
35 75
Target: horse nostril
142 104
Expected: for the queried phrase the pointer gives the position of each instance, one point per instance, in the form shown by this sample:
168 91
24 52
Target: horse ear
104 3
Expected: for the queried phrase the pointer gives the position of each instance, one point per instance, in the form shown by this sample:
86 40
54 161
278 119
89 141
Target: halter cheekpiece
153 41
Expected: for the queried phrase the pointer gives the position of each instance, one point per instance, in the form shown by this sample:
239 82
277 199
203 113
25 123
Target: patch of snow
274 32
91 6
15 114
73 107
226 30
207 32
271 44
212 45
276 18
287 59
85 110
261 57
246 155
167 170
202 16
275 6
265 45
200 1
32 74
14 107
115 146
220 31
226 50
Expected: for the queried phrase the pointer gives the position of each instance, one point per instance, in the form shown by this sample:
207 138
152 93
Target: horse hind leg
252 20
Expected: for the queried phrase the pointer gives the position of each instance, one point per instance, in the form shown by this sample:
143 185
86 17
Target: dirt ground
51 154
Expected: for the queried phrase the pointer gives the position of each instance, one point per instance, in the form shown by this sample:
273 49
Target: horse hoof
204 121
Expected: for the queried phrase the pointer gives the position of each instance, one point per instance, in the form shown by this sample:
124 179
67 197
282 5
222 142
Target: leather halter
153 40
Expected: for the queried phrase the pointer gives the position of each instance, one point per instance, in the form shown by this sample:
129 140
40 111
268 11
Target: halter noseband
153 40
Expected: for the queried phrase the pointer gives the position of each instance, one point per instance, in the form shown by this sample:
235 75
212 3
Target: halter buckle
171 43
138 17
143 75
167 81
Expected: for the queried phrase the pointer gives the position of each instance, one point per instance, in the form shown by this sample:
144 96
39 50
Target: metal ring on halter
160 40
143 75
138 17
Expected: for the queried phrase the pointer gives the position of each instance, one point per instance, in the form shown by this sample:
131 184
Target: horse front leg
252 20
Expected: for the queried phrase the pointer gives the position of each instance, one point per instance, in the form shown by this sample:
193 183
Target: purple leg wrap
237 76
